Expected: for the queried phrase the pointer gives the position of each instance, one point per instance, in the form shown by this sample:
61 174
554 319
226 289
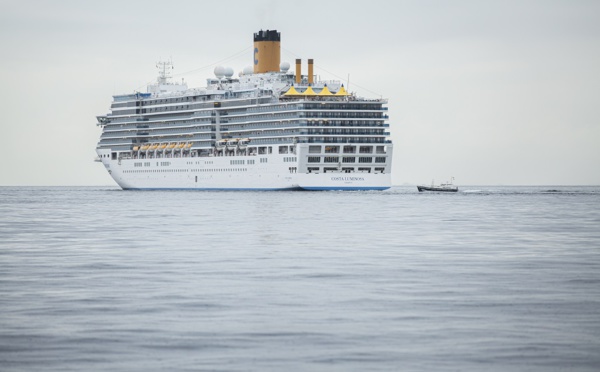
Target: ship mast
164 71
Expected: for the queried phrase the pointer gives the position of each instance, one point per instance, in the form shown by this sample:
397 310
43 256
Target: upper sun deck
277 85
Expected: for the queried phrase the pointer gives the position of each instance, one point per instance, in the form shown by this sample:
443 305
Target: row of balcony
206 127
235 111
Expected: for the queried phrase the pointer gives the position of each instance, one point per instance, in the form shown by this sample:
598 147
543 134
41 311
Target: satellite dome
228 72
219 72
284 66
248 70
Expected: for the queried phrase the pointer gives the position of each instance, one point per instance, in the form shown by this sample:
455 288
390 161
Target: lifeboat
232 144
135 148
187 146
243 143
145 147
153 147
162 146
220 144
171 145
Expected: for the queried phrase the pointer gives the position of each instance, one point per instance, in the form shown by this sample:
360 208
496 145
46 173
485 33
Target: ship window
366 149
349 149
332 149
314 149
380 159
365 160
332 159
379 170
314 159
283 149
350 159
368 170
380 149
313 169
347 170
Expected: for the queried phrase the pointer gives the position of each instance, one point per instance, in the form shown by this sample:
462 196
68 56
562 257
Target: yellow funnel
267 51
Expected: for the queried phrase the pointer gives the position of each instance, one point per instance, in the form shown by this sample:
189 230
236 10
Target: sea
492 278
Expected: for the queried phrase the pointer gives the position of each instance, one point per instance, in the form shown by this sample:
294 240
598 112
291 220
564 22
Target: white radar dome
284 66
219 71
248 70
228 72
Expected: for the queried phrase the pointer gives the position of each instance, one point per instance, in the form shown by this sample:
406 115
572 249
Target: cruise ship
266 129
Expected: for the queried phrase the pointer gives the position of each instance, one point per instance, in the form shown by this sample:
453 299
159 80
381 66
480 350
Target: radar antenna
164 71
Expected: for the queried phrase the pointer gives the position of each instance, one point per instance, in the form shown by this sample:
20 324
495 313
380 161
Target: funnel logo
255 53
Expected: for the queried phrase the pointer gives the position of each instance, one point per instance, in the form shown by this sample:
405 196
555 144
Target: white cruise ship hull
233 173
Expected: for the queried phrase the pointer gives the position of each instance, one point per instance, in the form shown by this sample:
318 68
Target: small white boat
443 187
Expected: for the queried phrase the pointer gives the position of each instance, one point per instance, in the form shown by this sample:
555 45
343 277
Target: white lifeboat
220 144
243 143
232 144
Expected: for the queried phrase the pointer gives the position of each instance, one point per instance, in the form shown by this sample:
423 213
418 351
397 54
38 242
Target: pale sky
490 92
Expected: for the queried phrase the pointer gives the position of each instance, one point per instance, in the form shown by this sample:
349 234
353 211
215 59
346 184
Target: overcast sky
490 92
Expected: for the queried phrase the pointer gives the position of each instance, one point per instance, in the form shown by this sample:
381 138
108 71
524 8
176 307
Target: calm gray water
490 278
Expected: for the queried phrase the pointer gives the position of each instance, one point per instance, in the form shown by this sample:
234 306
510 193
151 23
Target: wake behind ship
268 129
